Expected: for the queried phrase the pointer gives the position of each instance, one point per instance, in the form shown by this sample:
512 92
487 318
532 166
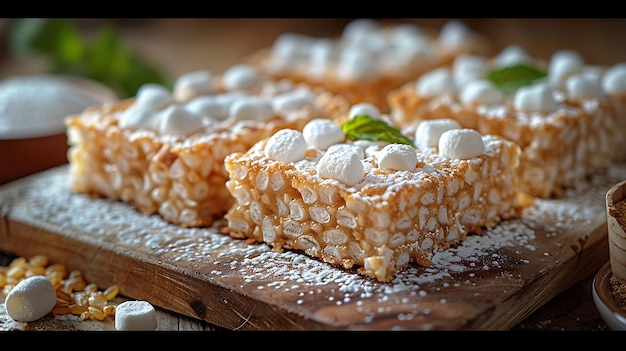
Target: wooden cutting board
490 282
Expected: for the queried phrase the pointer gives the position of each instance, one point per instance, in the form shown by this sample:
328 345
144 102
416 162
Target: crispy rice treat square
372 206
569 123
163 151
370 57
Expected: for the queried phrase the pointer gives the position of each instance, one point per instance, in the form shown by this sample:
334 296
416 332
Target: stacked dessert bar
163 151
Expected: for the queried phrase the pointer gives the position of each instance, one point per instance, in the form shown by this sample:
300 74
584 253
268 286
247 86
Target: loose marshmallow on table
400 157
342 164
31 299
322 133
461 143
135 315
429 131
286 145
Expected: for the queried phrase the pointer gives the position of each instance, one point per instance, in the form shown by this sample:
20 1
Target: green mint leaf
56 39
368 128
112 63
104 59
510 78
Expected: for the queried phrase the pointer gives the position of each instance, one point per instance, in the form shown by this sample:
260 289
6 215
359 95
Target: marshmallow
359 27
135 315
291 47
461 143
583 86
192 84
286 145
364 108
563 64
31 299
177 120
405 35
400 157
429 131
614 79
322 133
154 96
512 55
535 98
356 63
138 116
469 67
480 92
240 77
436 82
321 55
292 101
251 108
454 34
343 164
355 146
207 106
367 148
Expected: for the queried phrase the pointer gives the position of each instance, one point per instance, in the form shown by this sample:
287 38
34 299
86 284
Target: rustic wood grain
208 276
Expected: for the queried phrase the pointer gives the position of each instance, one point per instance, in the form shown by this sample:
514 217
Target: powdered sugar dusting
497 257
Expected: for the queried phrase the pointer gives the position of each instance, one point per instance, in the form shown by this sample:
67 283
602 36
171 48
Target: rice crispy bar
378 209
369 58
569 123
163 150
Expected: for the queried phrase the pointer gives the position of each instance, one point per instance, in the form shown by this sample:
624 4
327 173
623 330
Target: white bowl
36 105
32 112
612 314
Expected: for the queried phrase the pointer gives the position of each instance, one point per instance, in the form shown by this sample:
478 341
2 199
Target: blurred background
177 46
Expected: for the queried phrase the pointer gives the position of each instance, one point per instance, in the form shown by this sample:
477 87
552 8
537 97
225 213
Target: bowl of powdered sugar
32 113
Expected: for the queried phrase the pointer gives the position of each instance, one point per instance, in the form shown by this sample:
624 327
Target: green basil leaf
367 128
510 78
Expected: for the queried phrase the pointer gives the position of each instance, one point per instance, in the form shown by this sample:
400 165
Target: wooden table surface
182 45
